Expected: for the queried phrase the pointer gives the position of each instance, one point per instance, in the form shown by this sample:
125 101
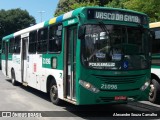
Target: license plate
117 98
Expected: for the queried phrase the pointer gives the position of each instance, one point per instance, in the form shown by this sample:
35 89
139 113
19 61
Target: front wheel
154 95
54 94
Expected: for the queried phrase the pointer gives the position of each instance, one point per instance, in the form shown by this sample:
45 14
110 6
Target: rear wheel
54 94
14 82
154 95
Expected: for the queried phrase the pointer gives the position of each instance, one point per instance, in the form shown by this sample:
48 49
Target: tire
14 82
154 95
54 94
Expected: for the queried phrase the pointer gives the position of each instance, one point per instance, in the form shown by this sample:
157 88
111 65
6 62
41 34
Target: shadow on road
87 111
32 90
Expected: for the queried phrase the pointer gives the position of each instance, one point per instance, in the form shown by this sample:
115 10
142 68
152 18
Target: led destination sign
115 15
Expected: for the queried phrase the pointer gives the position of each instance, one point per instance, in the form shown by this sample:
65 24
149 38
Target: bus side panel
58 75
31 70
36 74
10 64
39 71
17 67
3 65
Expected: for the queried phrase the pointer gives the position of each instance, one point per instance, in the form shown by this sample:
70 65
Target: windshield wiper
102 25
104 28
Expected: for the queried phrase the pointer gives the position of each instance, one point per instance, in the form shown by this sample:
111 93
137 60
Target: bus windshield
115 47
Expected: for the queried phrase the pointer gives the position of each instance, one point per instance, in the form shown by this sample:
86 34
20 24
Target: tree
150 7
14 20
104 2
68 5
116 3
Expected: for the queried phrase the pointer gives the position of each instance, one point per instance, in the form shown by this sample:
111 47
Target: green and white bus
91 55
155 69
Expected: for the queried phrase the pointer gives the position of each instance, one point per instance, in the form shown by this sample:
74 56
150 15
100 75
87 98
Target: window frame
40 41
11 45
54 28
3 46
33 42
17 43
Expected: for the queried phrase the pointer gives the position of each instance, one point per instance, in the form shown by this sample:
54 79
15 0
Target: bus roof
60 18
45 23
154 24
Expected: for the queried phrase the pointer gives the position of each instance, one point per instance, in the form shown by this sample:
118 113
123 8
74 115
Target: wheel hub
54 92
151 90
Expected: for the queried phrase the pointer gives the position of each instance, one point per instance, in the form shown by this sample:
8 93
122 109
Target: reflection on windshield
115 47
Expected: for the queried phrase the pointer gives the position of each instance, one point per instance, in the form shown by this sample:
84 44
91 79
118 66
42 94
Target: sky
41 10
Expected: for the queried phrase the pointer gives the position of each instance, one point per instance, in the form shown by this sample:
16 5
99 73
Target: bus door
24 55
6 58
70 63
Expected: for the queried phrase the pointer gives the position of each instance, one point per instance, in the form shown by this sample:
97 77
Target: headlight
88 86
146 84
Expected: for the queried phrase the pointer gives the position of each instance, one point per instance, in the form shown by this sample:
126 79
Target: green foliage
68 5
150 7
83 4
14 20
116 3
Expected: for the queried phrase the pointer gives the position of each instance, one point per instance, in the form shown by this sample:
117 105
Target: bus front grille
119 79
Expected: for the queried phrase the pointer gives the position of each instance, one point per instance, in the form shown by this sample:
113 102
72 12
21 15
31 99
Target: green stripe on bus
46 23
70 22
10 57
77 11
155 66
47 61
3 57
8 37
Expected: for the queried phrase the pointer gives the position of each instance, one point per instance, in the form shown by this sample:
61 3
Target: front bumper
87 97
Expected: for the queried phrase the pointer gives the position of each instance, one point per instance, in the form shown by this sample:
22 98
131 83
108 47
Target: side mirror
81 32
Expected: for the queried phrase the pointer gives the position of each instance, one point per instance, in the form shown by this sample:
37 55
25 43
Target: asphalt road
24 101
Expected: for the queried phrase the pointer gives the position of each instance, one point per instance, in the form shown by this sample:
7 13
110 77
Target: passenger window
17 45
42 40
11 45
32 41
3 47
55 38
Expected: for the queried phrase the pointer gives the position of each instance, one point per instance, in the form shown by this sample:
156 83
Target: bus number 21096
109 86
